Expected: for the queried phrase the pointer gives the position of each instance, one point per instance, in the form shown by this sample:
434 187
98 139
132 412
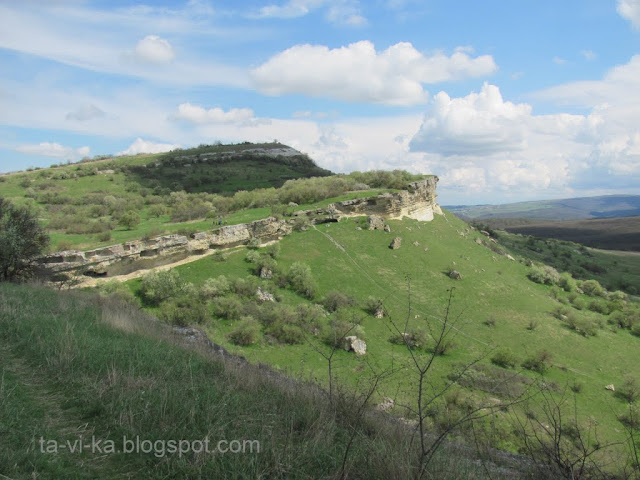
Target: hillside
566 209
82 375
352 282
606 233
88 204
496 308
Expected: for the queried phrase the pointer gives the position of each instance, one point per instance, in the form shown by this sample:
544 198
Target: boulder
354 344
266 273
610 387
511 258
456 275
396 243
379 313
485 233
478 241
387 228
264 296
375 222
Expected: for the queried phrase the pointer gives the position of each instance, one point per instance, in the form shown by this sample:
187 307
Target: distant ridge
606 206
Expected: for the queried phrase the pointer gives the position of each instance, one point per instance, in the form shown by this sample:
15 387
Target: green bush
129 219
246 333
273 250
301 280
252 256
228 308
567 282
584 326
538 362
599 307
215 287
418 339
593 288
184 311
373 305
544 274
157 287
505 358
335 300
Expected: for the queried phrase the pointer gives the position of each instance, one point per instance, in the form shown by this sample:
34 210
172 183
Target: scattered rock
379 312
478 241
387 228
485 233
292 204
264 296
610 387
386 404
416 244
511 258
266 273
396 243
456 275
354 344
375 222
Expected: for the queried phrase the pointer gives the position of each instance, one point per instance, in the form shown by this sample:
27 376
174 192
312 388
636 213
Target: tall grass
75 364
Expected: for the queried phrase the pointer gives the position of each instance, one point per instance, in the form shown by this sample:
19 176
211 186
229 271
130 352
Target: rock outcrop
418 201
100 261
354 344
396 243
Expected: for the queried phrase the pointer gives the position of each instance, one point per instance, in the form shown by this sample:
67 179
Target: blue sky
504 100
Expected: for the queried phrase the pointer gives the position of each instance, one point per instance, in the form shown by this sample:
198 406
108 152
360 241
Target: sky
503 100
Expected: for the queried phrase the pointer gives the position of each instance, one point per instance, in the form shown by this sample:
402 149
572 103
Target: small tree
22 239
129 219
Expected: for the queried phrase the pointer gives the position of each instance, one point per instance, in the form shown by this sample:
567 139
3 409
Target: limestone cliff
418 201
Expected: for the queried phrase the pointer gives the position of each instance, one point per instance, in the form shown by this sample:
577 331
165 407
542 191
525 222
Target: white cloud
346 13
559 61
53 32
359 73
153 49
291 9
589 54
85 112
630 9
479 124
199 115
342 12
144 146
503 146
47 149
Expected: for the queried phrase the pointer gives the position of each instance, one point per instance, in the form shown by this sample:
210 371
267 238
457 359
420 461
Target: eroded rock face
418 201
98 260
375 222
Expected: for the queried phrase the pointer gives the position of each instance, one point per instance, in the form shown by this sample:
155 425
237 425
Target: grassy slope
73 366
615 270
608 233
492 286
239 174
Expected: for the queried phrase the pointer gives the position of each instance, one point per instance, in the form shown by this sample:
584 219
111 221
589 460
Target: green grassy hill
608 233
585 340
78 369
114 200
